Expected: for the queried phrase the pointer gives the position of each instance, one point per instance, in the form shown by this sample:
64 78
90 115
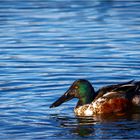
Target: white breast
88 112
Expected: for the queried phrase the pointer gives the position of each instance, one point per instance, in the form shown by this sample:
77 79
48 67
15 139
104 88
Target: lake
45 45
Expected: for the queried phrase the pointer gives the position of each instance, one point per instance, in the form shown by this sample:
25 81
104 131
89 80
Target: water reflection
83 131
101 126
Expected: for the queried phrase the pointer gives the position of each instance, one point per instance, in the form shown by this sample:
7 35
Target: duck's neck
82 102
86 100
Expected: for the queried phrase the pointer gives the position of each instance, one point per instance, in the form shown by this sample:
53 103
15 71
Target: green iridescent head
81 89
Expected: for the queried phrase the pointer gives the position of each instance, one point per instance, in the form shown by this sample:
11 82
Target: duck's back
117 98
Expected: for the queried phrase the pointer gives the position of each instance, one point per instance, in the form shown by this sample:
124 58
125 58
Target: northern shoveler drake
109 99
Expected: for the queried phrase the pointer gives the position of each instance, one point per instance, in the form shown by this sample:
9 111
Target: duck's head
81 89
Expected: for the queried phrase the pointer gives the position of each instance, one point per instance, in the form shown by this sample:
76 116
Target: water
45 46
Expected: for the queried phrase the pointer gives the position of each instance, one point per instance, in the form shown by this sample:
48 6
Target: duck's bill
66 97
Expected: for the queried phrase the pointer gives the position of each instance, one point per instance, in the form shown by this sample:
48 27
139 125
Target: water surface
46 45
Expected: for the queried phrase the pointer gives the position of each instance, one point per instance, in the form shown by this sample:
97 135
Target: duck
114 99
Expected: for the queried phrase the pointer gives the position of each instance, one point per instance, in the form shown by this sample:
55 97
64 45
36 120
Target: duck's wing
133 87
127 88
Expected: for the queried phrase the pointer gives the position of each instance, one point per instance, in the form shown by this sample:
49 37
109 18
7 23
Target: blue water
47 44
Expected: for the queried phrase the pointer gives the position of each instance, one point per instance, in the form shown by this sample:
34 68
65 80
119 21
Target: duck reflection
98 126
83 131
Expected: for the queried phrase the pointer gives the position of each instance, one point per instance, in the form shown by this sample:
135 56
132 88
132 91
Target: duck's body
110 99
